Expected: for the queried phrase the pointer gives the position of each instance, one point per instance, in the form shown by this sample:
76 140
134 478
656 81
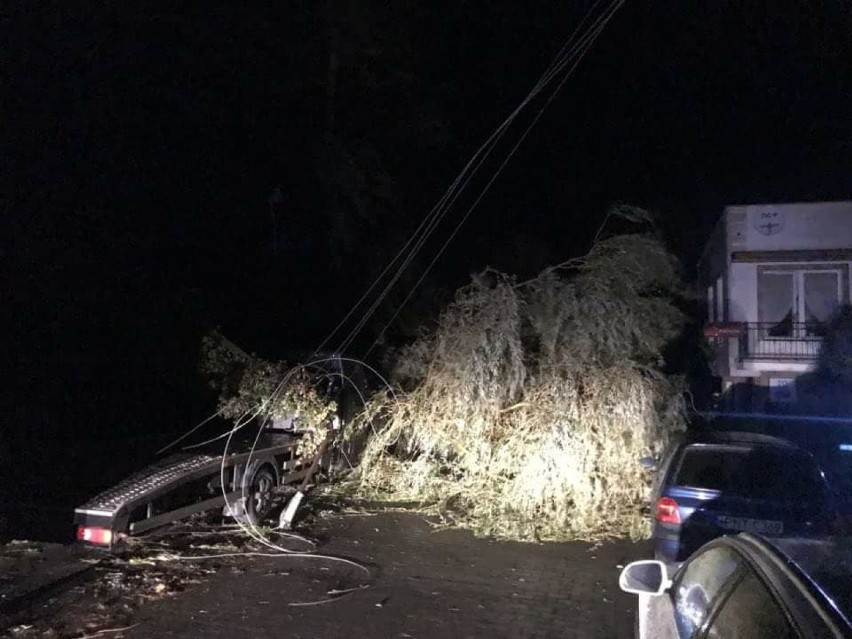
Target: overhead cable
572 52
586 41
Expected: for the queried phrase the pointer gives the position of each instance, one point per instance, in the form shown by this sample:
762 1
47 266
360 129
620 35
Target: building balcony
771 341
785 341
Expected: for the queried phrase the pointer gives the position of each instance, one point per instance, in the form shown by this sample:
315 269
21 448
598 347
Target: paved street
423 583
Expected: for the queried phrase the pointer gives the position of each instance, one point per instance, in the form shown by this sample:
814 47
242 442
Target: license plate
759 526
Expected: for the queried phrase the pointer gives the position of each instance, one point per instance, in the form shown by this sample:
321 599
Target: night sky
142 145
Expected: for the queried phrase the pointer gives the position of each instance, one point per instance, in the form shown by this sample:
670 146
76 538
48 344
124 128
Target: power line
559 63
573 50
499 170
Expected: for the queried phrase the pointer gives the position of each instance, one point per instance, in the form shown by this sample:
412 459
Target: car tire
258 500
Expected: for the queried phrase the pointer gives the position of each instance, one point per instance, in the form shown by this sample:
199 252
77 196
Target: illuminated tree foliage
526 410
250 387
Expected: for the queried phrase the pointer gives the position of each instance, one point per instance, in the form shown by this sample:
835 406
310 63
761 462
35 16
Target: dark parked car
747 587
719 483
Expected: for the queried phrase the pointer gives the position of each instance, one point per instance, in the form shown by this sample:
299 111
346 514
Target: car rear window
758 472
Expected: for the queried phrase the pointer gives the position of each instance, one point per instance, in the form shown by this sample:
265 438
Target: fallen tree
251 387
524 413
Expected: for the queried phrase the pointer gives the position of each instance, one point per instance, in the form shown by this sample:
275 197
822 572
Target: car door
749 611
699 585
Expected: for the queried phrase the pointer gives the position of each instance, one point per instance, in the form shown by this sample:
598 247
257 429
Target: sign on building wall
790 227
769 222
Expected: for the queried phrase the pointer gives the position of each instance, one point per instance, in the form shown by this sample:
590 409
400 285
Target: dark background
142 145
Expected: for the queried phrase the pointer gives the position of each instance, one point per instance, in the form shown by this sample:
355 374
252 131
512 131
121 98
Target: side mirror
645 577
649 463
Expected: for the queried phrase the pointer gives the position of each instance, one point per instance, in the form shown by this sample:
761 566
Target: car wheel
259 498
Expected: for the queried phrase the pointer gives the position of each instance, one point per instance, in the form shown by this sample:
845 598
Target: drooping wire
190 431
248 526
574 50
430 222
480 156
491 181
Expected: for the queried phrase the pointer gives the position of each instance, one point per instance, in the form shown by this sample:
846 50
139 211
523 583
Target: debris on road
102 601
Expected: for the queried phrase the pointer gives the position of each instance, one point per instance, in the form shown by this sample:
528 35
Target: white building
774 275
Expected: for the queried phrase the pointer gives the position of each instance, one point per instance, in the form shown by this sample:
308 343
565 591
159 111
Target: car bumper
667 543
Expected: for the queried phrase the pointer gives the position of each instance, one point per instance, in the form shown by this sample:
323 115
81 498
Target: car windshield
826 562
753 471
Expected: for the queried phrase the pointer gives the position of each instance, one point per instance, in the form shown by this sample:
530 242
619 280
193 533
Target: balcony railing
788 341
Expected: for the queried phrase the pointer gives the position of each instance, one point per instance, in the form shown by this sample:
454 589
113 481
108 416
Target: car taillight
100 536
667 511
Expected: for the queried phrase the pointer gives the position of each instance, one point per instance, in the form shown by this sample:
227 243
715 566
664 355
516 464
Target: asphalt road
422 583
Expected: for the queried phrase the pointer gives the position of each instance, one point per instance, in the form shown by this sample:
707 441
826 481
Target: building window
776 303
820 299
798 303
